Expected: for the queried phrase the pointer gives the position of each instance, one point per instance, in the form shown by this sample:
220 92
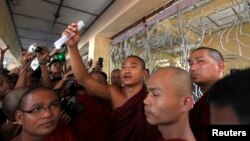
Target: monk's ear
221 66
187 103
145 74
19 117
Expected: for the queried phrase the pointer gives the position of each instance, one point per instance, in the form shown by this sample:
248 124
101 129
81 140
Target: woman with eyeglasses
37 111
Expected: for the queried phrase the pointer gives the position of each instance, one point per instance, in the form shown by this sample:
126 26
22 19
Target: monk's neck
26 137
179 130
206 86
130 91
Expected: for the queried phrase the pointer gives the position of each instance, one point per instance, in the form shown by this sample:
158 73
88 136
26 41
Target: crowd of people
78 104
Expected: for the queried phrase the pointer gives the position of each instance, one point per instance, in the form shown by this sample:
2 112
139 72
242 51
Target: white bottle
64 38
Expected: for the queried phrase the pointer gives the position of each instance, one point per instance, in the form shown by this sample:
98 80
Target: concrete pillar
102 49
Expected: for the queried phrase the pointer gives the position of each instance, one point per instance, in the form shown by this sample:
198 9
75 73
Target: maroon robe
199 118
129 122
3 118
161 139
93 124
61 133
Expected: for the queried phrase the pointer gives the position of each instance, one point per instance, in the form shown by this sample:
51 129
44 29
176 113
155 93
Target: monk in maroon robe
200 118
38 122
93 123
133 73
129 122
168 103
61 133
206 67
161 139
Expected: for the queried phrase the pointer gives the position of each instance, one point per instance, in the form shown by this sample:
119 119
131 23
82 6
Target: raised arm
78 67
2 56
42 56
25 60
61 83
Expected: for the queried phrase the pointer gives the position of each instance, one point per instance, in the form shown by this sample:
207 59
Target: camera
100 61
34 48
69 103
70 106
71 85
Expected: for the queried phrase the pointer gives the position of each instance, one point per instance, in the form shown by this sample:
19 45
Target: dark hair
104 75
114 70
139 58
215 54
5 74
55 61
234 91
6 71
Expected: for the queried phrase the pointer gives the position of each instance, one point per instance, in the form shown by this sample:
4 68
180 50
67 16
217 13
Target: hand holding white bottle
64 38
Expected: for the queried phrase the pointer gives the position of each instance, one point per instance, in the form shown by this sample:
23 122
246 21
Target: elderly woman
37 111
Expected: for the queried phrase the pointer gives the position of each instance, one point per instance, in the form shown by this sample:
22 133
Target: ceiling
42 21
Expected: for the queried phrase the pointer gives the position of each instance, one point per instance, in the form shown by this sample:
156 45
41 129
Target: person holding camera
67 89
99 65
128 119
42 54
56 71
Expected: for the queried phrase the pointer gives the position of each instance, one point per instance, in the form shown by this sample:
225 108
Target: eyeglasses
40 110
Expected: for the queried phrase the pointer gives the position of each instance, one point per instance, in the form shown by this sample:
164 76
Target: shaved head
178 77
169 97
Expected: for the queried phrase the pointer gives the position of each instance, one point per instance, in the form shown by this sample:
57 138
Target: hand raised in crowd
67 76
72 31
26 58
4 50
15 70
98 66
89 64
42 56
65 117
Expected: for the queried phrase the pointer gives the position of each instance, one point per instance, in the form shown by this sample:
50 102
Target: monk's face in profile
203 68
39 112
162 104
132 72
